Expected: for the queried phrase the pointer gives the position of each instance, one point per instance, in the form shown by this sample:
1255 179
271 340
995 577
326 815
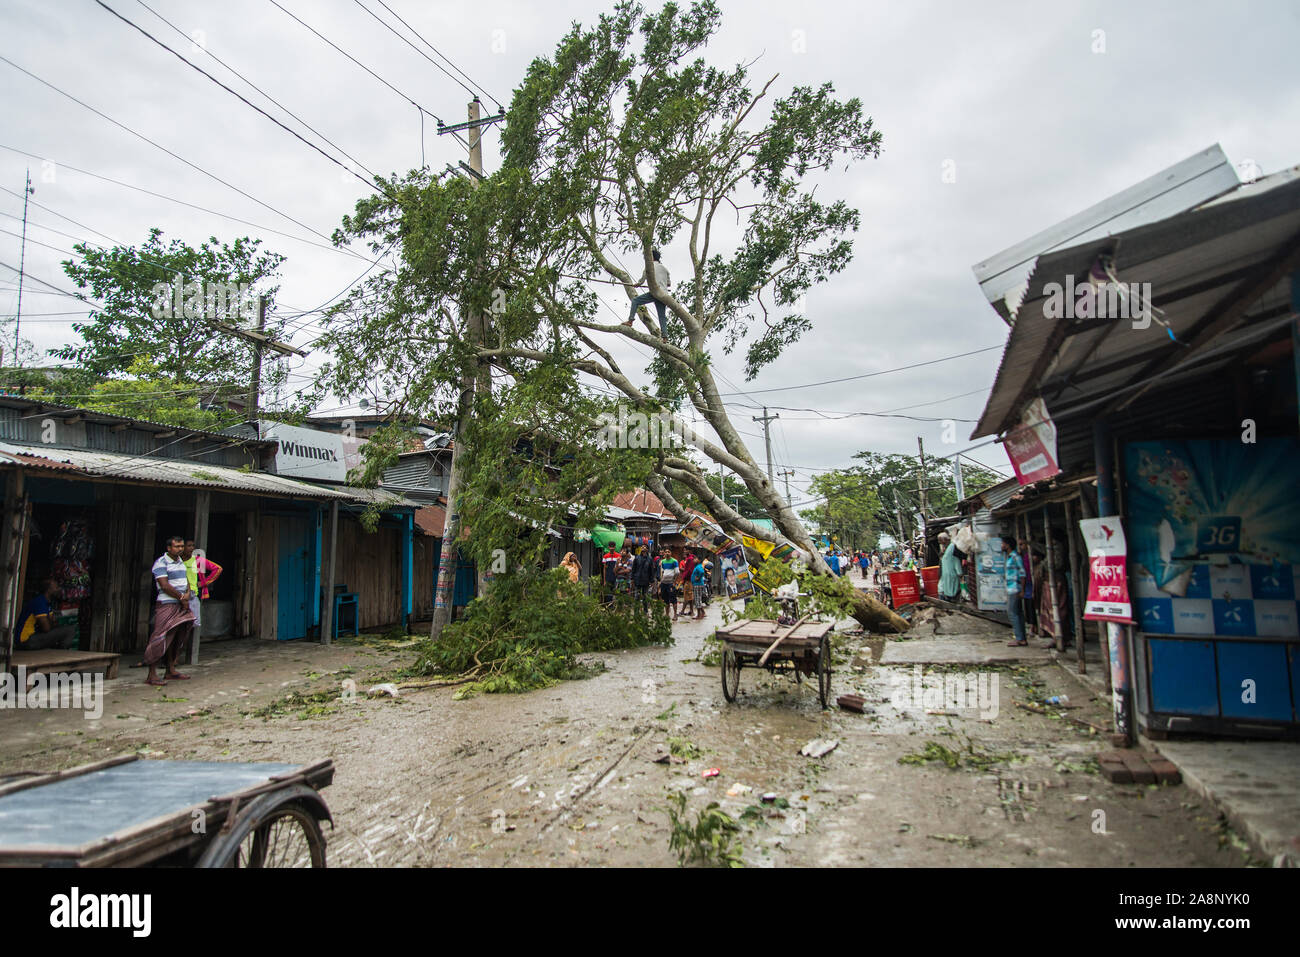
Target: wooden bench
57 660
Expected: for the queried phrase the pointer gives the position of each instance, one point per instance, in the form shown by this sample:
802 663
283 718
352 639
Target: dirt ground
573 774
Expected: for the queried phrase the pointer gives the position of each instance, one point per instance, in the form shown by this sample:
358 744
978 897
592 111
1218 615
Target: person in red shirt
609 571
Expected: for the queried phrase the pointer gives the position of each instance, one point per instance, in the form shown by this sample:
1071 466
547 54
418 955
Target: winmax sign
312 454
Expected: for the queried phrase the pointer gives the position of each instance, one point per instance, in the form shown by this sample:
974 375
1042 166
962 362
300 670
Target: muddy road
581 773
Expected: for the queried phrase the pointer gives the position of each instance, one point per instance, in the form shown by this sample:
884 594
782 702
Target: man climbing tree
618 145
663 281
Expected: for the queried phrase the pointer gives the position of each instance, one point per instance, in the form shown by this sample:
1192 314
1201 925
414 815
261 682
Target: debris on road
388 688
852 702
818 747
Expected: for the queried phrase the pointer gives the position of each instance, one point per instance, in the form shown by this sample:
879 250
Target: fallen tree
617 144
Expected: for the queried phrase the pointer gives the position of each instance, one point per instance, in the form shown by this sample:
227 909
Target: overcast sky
1034 113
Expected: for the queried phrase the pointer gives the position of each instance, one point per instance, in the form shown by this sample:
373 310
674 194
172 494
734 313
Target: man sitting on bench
36 629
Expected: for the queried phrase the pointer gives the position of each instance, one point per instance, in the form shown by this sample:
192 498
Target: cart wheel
730 674
288 837
824 671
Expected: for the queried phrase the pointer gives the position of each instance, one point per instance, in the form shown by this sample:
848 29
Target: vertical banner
1031 446
1108 598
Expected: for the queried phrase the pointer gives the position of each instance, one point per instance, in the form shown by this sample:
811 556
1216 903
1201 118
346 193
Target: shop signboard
1108 597
312 453
1031 446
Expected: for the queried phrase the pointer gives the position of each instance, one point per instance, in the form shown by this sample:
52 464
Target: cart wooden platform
804 650
125 812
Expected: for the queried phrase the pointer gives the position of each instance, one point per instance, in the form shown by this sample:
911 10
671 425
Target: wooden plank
143 575
782 637
50 778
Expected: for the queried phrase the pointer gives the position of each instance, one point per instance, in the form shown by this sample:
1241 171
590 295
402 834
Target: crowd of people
683 584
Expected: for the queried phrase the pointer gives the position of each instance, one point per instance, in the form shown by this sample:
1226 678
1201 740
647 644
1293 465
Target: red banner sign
1108 598
1032 445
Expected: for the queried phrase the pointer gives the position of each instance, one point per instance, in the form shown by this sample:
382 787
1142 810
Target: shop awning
147 470
1219 274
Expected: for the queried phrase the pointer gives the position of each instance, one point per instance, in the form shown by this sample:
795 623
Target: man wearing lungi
173 618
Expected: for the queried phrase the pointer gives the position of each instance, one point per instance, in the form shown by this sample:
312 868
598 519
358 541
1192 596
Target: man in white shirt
662 279
172 616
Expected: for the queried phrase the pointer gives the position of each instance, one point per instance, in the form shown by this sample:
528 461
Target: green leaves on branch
528 628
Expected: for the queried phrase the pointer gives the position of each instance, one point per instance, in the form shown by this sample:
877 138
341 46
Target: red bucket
930 581
905 587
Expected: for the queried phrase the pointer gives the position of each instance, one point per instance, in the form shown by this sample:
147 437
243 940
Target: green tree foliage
623 139
893 477
141 318
848 509
143 394
525 633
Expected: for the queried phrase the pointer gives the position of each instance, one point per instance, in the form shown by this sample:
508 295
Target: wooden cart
802 650
125 812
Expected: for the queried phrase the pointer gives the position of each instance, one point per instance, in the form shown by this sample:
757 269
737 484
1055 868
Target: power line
868 375
256 87
356 61
164 149
441 54
245 101
173 199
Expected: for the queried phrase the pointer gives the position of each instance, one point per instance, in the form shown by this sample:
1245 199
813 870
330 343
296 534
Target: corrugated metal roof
1002 277
164 472
1192 261
94 415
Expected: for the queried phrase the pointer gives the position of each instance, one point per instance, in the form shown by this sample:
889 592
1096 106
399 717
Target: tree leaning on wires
619 143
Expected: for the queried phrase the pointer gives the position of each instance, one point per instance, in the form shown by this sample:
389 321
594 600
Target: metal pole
327 615
22 264
1121 680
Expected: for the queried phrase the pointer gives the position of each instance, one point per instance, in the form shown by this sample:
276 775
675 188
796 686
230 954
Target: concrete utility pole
477 376
786 473
920 487
767 441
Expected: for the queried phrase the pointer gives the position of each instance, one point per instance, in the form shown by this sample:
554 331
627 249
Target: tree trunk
873 615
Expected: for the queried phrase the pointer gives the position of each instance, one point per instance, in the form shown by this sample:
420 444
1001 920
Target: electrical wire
256 87
341 165
172 199
444 57
164 149
356 61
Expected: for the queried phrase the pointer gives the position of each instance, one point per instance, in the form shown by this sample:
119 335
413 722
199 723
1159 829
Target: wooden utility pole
255 395
261 342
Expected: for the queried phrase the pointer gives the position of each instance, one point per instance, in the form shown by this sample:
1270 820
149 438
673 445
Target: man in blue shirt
1015 572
